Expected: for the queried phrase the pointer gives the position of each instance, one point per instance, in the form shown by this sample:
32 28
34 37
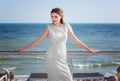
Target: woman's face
55 18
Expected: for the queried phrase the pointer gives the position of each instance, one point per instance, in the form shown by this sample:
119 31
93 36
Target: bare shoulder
46 29
68 25
49 26
69 28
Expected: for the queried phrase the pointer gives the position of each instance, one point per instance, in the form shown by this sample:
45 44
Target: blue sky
75 11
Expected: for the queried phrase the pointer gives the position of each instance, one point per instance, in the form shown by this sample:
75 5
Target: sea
98 36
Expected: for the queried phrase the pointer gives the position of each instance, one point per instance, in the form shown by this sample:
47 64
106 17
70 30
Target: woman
55 60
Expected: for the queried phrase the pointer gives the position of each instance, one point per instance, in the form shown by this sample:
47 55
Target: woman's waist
56 44
57 47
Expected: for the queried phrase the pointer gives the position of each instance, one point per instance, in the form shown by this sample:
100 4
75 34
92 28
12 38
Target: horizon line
68 22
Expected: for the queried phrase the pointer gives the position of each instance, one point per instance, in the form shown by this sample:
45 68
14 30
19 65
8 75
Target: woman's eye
56 16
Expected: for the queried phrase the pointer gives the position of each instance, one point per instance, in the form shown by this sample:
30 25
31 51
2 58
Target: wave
96 65
118 63
19 58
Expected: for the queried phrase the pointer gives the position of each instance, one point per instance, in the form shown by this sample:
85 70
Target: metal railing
69 52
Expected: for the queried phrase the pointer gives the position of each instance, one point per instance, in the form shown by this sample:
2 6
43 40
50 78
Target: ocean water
103 37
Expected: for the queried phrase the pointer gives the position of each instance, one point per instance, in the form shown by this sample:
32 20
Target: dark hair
118 69
59 11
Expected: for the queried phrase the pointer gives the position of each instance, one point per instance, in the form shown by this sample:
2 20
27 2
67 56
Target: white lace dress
56 58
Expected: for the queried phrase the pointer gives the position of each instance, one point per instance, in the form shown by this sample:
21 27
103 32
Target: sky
75 11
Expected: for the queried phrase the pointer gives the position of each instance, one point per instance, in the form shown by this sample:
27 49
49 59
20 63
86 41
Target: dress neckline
57 27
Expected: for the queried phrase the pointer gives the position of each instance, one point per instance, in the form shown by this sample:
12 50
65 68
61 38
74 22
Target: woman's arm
77 41
38 41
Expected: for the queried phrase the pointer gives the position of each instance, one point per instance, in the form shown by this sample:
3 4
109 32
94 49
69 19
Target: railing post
6 78
71 66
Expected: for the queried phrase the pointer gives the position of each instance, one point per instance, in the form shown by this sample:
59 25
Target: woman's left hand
93 51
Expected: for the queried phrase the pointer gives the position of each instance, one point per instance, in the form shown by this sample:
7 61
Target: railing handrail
69 52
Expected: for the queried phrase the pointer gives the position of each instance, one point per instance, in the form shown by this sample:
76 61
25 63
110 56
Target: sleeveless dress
56 58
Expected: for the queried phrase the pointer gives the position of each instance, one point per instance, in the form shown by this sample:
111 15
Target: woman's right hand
93 51
20 51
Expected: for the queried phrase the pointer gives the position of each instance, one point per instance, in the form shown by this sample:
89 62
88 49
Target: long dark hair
59 11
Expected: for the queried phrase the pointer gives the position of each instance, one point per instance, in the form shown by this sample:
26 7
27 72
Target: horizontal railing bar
69 52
